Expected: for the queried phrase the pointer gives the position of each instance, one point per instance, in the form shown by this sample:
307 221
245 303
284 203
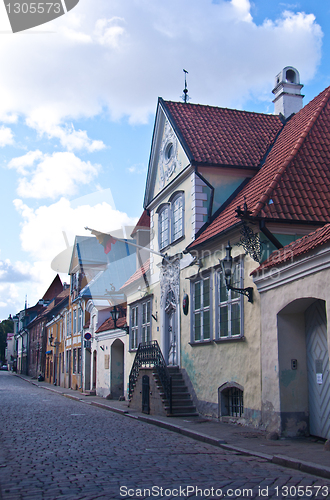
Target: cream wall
288 289
209 365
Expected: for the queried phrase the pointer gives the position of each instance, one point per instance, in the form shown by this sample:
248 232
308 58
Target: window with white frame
80 319
201 310
74 321
134 327
229 304
164 227
171 220
177 217
140 323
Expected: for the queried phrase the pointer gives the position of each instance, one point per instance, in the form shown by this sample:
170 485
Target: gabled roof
296 248
109 324
221 136
294 182
54 289
143 222
142 271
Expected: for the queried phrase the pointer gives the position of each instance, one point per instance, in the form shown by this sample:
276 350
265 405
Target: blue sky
78 98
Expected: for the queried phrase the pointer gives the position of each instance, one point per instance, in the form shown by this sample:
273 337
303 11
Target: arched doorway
304 368
117 369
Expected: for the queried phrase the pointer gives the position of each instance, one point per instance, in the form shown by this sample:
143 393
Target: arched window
177 217
163 226
230 396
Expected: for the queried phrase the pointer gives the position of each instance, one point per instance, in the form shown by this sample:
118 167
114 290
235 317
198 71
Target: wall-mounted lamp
102 347
51 338
227 268
114 315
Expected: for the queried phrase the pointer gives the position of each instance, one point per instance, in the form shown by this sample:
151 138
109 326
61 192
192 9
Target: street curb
282 460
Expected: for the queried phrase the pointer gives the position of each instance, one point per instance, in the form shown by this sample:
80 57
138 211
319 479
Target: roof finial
185 97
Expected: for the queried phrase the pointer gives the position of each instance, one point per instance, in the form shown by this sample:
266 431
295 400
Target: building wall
285 295
209 365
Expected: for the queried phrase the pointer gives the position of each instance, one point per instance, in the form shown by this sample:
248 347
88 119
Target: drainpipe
269 235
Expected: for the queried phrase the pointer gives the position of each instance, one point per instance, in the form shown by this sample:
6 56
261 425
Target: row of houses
218 303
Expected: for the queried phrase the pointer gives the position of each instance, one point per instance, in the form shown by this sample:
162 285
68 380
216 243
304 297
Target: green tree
6 326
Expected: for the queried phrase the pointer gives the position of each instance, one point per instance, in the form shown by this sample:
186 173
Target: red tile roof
138 274
296 248
294 182
109 324
143 222
221 136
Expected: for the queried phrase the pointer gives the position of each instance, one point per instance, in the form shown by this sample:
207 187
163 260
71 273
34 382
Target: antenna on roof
185 97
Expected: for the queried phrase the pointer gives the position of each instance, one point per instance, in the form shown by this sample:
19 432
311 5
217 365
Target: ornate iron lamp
227 269
114 315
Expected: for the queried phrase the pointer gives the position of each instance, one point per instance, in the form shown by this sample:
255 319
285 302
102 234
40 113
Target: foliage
6 326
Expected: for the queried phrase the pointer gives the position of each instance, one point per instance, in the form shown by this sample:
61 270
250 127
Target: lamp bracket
250 242
248 292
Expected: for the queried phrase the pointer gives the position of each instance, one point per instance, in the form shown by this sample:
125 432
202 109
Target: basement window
230 396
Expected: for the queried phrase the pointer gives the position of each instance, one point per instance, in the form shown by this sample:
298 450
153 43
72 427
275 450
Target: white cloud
6 136
14 273
55 175
42 228
70 138
46 231
120 56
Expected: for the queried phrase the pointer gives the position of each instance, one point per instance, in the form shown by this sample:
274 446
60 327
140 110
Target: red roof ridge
266 196
210 106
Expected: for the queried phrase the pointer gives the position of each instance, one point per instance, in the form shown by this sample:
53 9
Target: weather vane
185 97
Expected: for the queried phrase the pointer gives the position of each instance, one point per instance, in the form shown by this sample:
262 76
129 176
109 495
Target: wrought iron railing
149 355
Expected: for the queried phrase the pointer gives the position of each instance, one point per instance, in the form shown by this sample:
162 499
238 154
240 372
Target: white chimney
288 98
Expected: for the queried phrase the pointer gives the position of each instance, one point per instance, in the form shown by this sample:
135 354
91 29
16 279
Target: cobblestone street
52 447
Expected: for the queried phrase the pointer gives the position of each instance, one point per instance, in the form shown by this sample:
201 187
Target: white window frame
139 326
201 310
232 299
163 243
177 196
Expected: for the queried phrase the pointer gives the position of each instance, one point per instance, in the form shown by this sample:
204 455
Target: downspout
269 235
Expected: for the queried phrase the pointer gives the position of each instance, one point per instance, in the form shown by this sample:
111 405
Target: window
177 217
201 310
79 360
134 327
231 401
164 227
171 220
74 321
229 304
146 322
140 323
74 361
80 319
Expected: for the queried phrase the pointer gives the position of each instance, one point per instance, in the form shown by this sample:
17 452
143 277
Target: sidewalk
305 454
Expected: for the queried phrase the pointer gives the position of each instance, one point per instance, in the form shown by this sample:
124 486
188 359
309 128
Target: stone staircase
182 404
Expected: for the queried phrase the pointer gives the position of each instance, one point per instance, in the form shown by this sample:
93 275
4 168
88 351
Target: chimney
288 98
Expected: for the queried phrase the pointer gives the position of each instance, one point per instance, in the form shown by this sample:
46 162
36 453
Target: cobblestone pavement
54 448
